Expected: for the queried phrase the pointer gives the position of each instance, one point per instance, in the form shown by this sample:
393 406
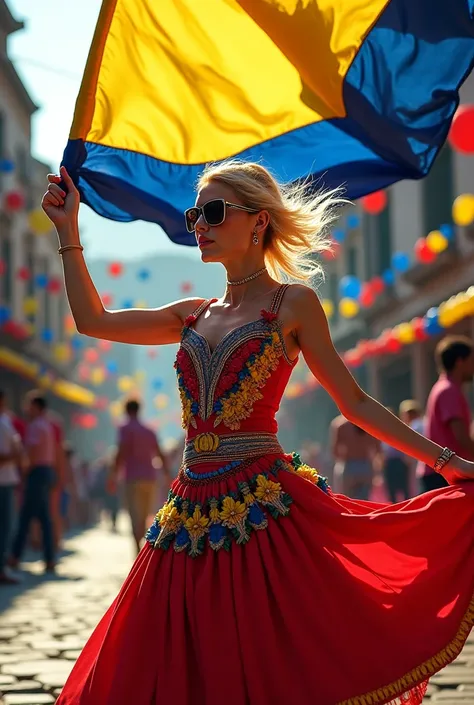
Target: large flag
358 92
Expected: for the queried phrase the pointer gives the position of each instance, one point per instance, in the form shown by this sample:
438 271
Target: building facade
414 208
33 305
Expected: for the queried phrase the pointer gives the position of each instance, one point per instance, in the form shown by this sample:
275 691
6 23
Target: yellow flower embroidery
267 490
232 512
197 524
214 510
270 494
308 473
184 511
186 415
234 515
249 498
169 517
219 521
197 527
246 386
169 520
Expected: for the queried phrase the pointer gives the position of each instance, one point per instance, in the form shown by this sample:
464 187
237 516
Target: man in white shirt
10 450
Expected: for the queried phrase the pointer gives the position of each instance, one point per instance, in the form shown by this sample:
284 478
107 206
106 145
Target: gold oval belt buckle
206 443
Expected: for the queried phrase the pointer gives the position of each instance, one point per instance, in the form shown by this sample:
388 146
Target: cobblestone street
45 622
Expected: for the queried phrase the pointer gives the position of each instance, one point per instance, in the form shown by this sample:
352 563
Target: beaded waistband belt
209 447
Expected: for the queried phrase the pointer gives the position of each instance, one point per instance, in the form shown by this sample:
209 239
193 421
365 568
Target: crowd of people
361 463
46 489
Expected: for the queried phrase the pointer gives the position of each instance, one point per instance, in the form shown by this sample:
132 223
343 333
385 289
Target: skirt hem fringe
398 692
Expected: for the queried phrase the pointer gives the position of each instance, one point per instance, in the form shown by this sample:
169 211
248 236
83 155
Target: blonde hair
299 219
410 406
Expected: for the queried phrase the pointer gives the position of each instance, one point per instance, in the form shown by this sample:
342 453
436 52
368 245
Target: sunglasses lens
191 216
214 212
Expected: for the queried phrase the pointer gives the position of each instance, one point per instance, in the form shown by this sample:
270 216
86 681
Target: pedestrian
411 413
448 416
84 484
355 453
10 458
56 496
56 493
40 447
68 489
106 496
257 584
138 453
396 473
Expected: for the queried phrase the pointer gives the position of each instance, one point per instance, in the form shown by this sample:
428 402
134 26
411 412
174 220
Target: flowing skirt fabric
341 602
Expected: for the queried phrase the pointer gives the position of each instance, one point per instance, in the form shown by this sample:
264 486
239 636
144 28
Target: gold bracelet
65 248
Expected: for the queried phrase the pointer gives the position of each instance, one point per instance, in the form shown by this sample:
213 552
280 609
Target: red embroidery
268 316
189 320
235 364
185 366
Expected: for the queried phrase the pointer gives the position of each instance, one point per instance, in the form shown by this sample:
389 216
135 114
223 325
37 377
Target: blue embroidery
214 473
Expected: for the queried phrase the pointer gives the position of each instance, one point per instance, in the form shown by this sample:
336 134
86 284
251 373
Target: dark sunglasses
213 212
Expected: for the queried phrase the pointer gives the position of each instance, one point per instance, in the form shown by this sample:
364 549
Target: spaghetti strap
278 298
201 308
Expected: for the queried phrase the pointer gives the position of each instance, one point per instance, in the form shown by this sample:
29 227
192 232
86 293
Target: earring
255 238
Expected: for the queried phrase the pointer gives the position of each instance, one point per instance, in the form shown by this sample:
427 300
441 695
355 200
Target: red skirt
315 599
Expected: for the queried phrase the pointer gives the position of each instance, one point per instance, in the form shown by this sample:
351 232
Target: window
369 267
384 239
48 318
30 265
2 142
22 166
438 192
351 262
377 242
63 312
6 256
334 294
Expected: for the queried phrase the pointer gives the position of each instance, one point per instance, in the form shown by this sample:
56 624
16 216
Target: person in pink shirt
448 416
139 455
41 455
10 458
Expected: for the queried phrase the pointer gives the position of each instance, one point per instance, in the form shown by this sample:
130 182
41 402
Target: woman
253 569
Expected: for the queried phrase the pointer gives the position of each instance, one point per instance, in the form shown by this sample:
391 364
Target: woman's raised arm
140 326
312 332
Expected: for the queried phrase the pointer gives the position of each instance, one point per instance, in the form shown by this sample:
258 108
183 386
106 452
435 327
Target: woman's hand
458 470
60 207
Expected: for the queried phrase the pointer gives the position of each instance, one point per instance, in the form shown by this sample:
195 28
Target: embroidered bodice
228 484
239 385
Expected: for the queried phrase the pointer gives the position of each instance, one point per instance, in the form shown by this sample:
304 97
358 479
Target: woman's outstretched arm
140 326
312 332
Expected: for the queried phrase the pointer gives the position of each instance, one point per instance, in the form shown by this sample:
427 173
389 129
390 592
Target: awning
29 369
73 393
18 363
